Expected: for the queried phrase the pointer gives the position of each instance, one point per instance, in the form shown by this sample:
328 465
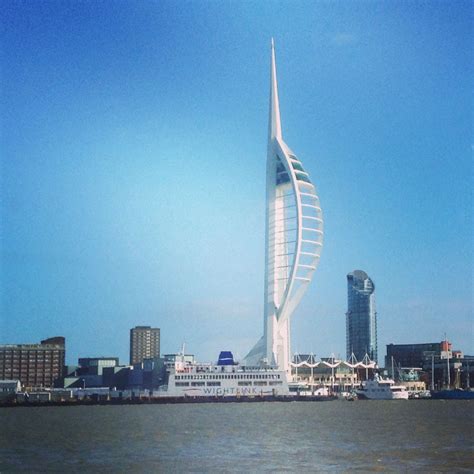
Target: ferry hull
453 395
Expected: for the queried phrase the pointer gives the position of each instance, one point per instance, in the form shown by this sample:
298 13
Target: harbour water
337 436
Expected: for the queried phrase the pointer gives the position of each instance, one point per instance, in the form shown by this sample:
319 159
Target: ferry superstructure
226 378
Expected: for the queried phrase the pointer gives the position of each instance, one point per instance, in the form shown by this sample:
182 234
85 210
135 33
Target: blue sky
133 153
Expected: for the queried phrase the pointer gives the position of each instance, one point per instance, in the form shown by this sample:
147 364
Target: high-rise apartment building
144 343
294 238
34 365
361 316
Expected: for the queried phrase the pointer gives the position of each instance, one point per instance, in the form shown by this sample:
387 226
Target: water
339 436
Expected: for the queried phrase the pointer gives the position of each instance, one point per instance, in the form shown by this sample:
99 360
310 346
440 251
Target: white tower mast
293 238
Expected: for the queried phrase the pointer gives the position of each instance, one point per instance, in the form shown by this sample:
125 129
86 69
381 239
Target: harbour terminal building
293 240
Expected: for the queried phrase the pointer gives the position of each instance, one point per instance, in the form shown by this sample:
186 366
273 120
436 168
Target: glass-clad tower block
294 238
361 317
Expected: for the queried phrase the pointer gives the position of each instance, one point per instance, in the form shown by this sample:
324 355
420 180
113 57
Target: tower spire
275 122
293 240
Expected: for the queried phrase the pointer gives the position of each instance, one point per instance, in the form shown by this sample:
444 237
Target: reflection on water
377 436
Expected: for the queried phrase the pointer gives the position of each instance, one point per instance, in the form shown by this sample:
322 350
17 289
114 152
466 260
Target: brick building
34 365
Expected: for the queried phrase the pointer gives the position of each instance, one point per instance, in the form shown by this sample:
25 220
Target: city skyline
125 128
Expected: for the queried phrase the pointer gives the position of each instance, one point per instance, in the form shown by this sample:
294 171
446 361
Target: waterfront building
414 355
100 372
117 377
96 365
144 343
34 365
411 378
441 372
434 363
361 317
293 238
329 372
9 389
148 374
89 372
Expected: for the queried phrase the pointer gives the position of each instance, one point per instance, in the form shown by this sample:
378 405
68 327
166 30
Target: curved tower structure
293 235
361 317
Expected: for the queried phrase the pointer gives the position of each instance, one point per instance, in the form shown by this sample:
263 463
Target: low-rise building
455 371
96 365
338 378
413 355
430 362
9 389
89 372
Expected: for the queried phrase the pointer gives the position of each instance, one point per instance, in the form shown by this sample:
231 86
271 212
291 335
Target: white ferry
382 389
226 378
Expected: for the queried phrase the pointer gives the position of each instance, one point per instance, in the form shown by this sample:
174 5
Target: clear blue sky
133 153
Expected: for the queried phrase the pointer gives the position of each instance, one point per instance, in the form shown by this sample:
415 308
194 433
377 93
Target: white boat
382 389
307 389
224 379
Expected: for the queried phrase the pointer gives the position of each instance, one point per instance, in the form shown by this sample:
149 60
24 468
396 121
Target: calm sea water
339 436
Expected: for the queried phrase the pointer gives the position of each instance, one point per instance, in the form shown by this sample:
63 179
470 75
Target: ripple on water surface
376 436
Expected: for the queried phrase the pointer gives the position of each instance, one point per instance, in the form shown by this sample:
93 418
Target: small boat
382 389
